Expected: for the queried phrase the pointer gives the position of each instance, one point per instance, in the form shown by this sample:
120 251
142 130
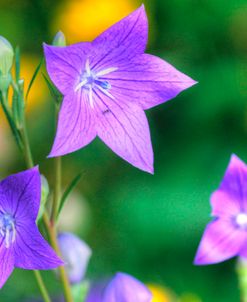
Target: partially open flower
76 254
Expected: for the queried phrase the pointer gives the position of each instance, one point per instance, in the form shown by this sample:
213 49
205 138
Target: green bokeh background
150 226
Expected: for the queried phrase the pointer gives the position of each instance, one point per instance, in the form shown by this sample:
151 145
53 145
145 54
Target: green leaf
57 96
34 77
67 192
79 291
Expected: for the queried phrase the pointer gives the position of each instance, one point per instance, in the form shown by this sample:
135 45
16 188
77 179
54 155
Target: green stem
57 189
42 286
52 224
26 146
242 278
63 275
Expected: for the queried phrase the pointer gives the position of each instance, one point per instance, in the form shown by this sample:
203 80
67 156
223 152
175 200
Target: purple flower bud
76 254
126 288
6 56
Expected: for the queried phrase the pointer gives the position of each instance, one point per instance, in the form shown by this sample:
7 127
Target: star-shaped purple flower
126 288
107 84
21 244
226 236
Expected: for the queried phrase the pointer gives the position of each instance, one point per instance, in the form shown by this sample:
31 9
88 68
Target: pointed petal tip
142 7
203 261
57 262
234 157
194 82
190 83
50 155
55 153
35 168
60 262
150 170
235 160
198 262
45 46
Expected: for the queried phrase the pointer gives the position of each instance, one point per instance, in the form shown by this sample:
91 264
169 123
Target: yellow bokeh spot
83 20
160 294
29 63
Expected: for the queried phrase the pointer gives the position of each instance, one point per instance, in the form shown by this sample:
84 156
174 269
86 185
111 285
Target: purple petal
96 291
147 80
221 241
20 194
243 251
75 125
124 128
64 64
124 39
125 288
76 254
6 263
32 251
231 197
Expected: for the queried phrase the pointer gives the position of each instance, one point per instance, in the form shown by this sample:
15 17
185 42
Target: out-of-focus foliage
148 226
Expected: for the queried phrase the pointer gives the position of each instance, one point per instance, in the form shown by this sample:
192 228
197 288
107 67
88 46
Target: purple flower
76 254
107 84
21 244
126 288
226 235
96 290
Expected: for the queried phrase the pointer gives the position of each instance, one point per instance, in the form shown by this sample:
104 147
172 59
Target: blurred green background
148 226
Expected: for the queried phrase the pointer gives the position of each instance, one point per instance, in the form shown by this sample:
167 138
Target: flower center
7 228
241 220
91 80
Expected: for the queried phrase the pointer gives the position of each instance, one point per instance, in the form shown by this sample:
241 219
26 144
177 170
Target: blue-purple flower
226 236
21 244
76 254
126 288
107 84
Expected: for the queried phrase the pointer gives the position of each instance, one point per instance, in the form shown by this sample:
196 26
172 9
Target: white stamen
13 232
7 235
106 71
90 94
106 92
87 66
83 83
89 80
